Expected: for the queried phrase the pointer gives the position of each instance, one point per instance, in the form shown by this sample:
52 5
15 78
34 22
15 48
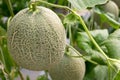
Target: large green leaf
115 35
85 43
98 73
113 45
83 4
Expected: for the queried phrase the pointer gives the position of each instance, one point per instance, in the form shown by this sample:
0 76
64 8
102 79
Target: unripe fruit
36 39
117 2
68 69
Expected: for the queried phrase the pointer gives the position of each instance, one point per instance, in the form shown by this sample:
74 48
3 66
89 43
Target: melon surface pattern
68 68
36 39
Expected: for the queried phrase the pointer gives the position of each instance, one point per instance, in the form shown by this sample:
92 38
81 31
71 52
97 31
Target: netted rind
68 69
36 40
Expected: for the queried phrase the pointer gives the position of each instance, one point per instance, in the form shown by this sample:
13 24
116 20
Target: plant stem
8 2
21 76
80 55
2 55
70 35
32 5
5 70
50 4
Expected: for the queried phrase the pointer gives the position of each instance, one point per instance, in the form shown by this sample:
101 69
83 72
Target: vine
8 2
81 21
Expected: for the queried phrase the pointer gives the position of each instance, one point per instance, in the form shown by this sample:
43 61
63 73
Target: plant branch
79 55
20 74
8 2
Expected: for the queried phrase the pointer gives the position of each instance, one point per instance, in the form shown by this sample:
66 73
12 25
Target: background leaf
83 4
98 73
113 47
117 77
85 43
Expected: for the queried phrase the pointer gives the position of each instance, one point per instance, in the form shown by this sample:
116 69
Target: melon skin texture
117 2
36 39
68 69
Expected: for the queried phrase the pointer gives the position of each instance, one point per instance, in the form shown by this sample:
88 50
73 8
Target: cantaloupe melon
68 69
110 8
36 39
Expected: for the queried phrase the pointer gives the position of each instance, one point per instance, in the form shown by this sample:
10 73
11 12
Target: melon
117 2
111 8
68 69
36 39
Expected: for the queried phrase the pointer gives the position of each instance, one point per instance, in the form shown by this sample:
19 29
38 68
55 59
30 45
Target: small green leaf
70 19
83 4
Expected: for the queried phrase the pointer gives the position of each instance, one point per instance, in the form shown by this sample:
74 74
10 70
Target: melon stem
32 5
9 5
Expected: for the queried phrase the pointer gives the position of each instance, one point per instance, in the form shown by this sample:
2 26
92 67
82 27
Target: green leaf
70 19
115 35
97 57
113 47
85 43
98 73
101 72
105 18
2 31
113 44
117 77
83 4
4 54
